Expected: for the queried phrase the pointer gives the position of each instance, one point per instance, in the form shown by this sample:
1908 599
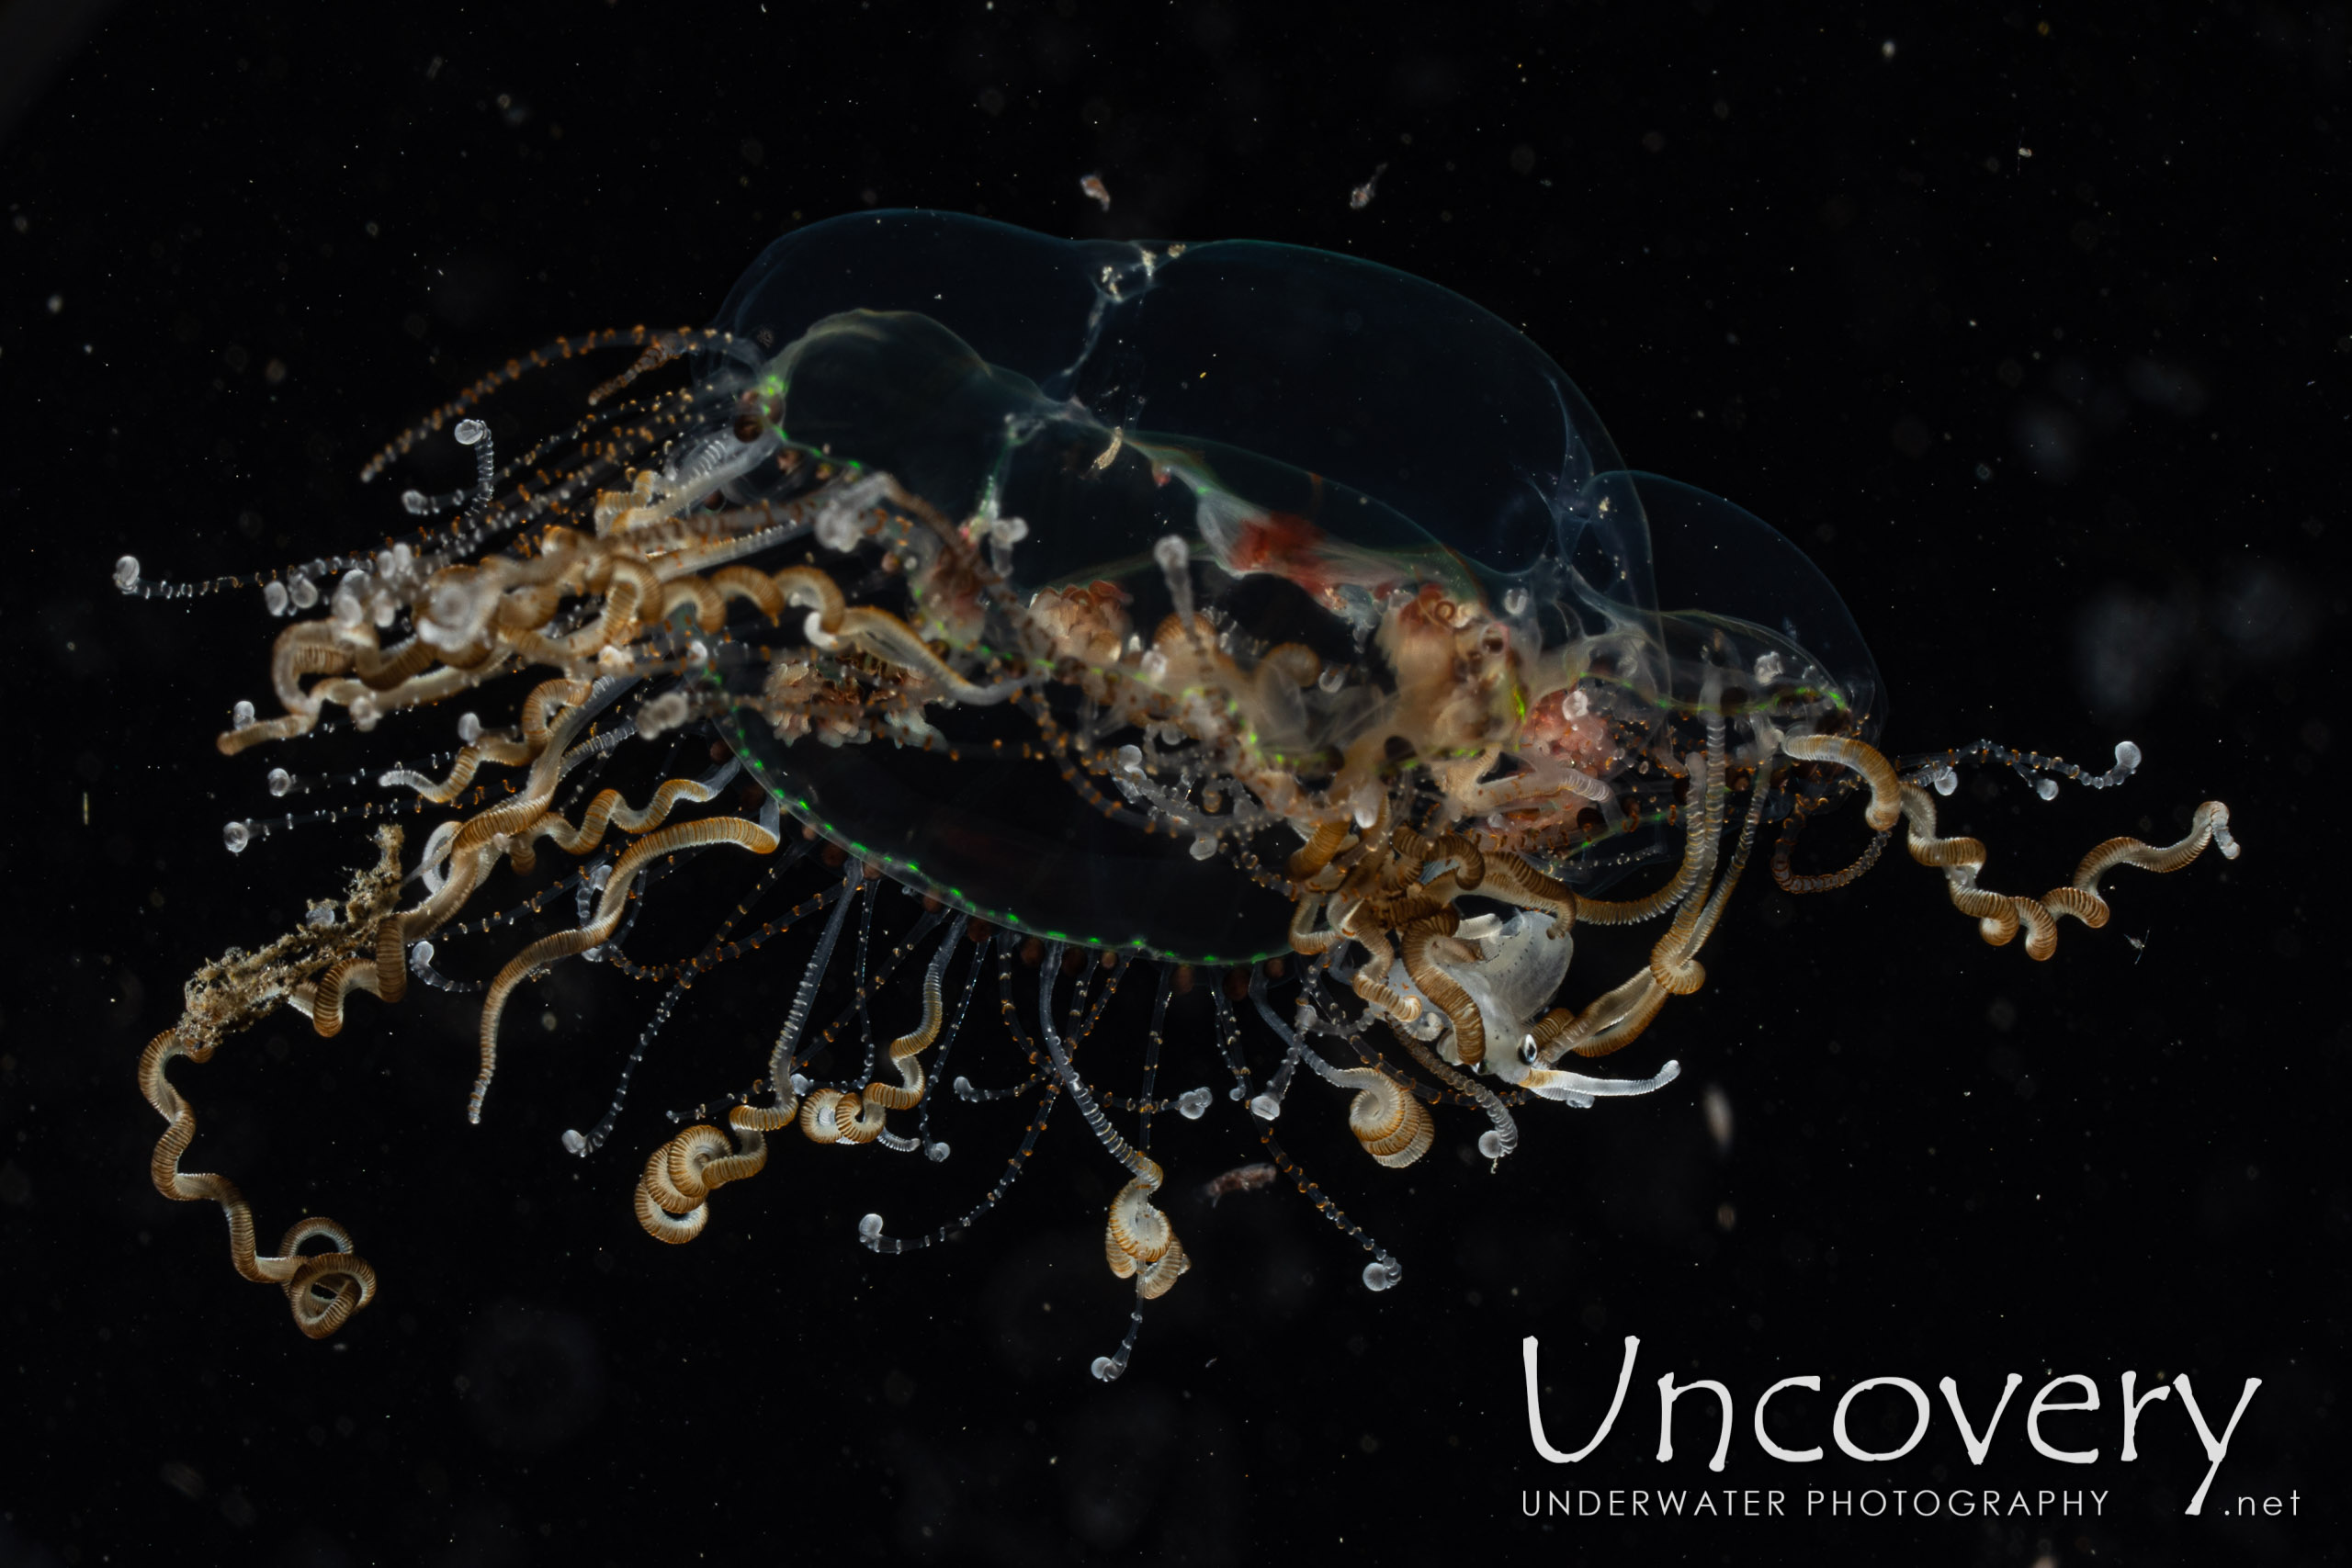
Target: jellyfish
1144 633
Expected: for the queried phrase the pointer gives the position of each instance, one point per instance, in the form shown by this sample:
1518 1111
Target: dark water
2064 426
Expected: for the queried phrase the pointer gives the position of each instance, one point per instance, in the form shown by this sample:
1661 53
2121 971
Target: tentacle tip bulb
575 1141
870 1227
1379 1276
1265 1108
1491 1145
1107 1370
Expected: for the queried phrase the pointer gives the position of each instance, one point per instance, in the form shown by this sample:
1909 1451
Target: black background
2067 427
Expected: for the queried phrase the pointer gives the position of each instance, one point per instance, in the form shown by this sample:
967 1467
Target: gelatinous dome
1321 434
1375 380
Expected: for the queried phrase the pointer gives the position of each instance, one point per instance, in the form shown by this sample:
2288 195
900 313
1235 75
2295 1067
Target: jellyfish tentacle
673 1195
1469 1029
1581 1089
1226 1033
1498 1141
870 1231
1696 854
326 1287
755 587
1885 807
1391 1123
610 807
520 811
1422 902
1961 859
1369 983
1385 1114
1304 939
671 1205
1795 882
1384 1271
2210 825
822 1119
306 648
884 636
695 596
382 971
1469 864
1320 849
907 1049
1618 1018
805 587
323 647
1710 915
468 760
553 353
672 1198
782 1058
478 842
380 673
322 1289
1673 962
1138 1241
754 836
1108 1369
228 996
1510 877
1612 1020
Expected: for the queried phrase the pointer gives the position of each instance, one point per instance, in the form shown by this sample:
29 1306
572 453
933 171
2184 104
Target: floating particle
1361 198
1718 1108
1241 1178
1092 186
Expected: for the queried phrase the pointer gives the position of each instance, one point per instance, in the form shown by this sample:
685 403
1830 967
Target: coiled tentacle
1999 916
